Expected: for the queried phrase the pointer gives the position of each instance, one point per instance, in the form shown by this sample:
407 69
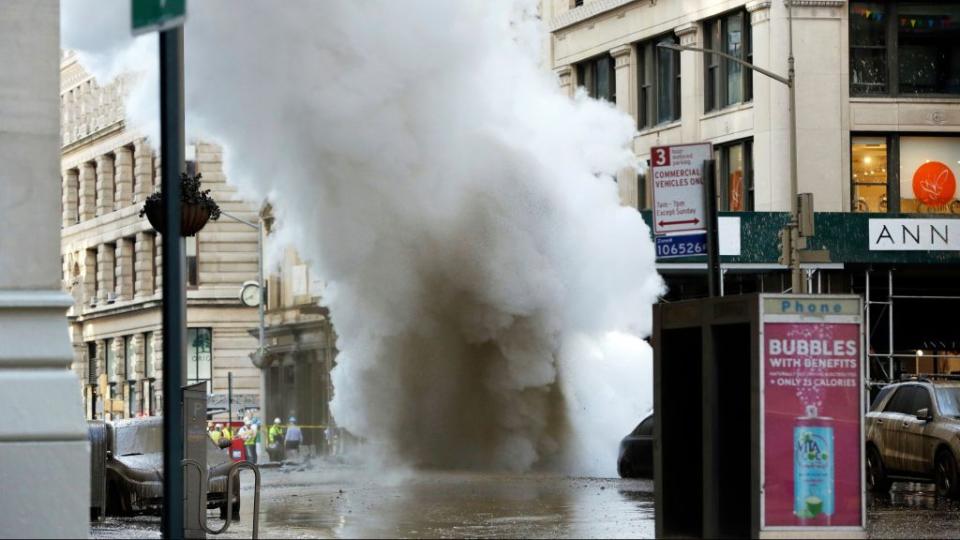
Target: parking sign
678 196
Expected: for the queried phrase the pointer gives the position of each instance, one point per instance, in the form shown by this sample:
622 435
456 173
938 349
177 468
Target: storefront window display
928 175
869 165
911 174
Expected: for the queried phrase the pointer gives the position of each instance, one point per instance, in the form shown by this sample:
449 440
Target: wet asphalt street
346 502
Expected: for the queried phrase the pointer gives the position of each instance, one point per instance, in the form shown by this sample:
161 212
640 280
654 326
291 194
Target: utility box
759 418
195 448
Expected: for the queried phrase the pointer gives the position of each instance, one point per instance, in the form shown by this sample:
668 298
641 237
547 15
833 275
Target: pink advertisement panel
811 385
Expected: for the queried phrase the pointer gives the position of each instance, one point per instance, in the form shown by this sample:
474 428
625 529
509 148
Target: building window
928 174
110 364
734 162
91 362
868 161
728 82
132 242
154 267
128 370
642 188
149 369
200 356
905 48
914 174
597 76
193 273
658 72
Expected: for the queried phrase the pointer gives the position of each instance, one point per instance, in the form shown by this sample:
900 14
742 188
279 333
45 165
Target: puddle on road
465 505
912 510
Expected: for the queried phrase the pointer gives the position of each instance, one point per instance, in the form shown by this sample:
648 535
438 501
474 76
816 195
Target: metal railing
232 474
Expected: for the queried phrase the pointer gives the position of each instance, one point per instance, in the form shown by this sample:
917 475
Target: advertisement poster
811 416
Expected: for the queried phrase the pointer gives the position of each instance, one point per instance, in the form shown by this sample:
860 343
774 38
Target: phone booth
759 422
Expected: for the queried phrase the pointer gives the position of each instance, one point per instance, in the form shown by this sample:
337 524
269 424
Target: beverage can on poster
813 474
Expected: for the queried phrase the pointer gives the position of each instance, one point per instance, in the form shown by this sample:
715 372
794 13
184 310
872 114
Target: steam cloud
487 289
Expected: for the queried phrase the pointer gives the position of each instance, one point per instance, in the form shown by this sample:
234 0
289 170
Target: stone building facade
300 350
111 261
870 75
878 144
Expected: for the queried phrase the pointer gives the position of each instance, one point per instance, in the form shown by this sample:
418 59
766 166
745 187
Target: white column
769 146
144 255
70 195
691 81
142 170
123 177
123 275
105 272
44 459
623 58
105 189
88 191
565 75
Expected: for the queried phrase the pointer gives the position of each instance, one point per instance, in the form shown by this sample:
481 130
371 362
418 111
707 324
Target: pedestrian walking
293 438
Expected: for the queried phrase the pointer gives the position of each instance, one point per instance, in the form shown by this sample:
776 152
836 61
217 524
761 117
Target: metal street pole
796 274
174 292
793 229
714 275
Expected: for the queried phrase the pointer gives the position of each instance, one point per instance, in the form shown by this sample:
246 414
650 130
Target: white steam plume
459 205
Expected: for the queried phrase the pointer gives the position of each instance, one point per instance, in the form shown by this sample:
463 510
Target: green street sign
156 15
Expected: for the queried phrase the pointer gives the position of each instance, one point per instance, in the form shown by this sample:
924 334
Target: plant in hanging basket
196 207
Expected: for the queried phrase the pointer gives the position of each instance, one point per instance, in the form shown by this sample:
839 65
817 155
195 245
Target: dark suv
913 433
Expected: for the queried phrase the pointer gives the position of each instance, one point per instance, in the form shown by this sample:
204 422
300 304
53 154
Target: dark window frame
651 85
891 47
893 167
722 156
193 363
192 263
893 171
717 68
587 71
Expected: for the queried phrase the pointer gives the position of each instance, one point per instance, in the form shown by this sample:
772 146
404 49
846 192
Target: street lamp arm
770 74
260 308
235 218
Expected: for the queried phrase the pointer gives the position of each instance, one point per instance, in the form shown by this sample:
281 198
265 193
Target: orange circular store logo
934 183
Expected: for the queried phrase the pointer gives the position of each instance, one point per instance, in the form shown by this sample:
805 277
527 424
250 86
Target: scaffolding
887 374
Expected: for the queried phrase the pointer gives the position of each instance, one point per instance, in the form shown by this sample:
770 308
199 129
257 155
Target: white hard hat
218 426
276 420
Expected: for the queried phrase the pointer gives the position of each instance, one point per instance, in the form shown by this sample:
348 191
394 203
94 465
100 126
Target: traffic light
785 246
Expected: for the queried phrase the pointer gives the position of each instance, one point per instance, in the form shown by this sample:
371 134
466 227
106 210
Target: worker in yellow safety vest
216 434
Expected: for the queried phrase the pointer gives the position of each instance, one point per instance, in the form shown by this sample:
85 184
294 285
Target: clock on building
250 294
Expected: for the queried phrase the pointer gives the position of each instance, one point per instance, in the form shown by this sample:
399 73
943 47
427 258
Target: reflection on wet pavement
471 505
350 503
346 502
912 510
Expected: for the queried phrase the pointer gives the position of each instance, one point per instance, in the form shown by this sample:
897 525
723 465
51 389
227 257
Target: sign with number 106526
685 245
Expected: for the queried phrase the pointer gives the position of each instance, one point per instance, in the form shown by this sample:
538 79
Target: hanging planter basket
196 207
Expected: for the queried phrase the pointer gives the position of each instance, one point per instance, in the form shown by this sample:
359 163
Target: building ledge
729 109
587 11
896 100
666 126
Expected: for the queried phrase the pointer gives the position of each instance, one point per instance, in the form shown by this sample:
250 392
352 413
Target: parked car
913 433
134 469
636 451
